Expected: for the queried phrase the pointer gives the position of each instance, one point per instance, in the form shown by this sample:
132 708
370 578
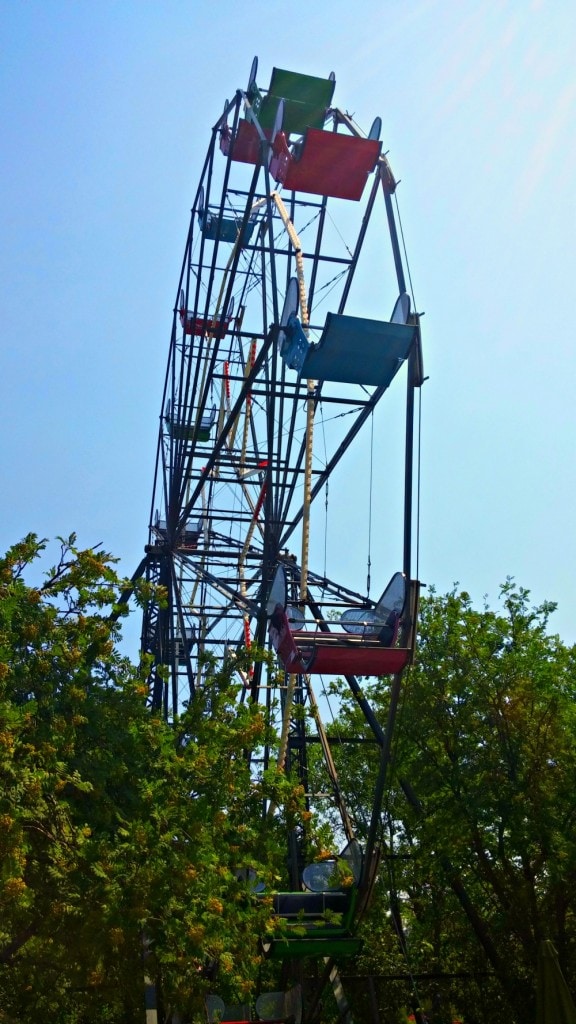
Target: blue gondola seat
184 644
187 538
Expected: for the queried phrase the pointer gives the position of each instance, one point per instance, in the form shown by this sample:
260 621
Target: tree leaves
481 810
115 825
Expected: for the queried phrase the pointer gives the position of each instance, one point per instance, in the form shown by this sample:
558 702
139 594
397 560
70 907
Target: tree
481 846
117 829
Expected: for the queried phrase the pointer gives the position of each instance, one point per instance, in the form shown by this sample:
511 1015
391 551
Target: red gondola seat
366 647
271 1008
217 1011
244 145
191 534
325 163
211 326
280 1007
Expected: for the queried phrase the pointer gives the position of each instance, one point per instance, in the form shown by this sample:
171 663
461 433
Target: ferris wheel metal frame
189 463
237 477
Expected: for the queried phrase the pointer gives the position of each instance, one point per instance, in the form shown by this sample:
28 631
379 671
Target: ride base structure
280 354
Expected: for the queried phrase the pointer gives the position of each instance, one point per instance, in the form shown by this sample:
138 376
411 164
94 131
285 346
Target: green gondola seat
306 100
319 919
187 431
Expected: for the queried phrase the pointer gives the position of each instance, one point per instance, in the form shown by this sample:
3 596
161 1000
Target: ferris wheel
292 321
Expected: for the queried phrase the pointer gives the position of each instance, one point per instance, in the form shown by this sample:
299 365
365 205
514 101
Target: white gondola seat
187 431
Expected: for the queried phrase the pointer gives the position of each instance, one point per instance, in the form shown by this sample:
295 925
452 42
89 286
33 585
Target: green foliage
119 832
115 828
480 839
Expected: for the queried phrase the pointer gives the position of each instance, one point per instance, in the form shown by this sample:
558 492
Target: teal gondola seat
352 349
225 229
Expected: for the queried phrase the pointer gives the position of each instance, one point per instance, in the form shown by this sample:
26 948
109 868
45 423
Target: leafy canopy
117 829
480 840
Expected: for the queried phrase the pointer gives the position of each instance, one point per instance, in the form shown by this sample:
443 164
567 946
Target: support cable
419 455
418 483
359 811
369 565
326 496
329 762
406 260
310 393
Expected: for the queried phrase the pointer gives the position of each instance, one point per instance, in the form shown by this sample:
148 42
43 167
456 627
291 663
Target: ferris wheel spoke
219 445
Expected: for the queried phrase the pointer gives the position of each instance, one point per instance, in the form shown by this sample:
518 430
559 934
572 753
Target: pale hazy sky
106 113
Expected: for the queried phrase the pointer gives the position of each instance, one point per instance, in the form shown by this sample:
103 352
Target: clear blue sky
106 110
